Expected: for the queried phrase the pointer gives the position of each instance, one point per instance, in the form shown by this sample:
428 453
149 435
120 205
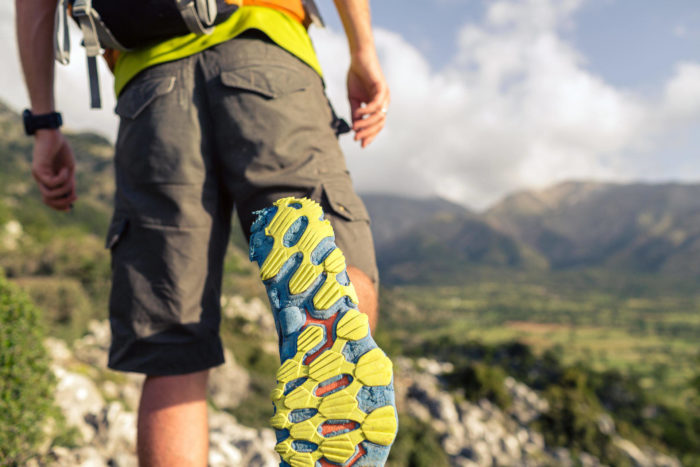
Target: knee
364 285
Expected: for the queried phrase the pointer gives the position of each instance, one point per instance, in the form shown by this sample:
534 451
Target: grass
626 326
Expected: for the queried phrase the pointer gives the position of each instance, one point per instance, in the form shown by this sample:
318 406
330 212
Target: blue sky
628 42
492 96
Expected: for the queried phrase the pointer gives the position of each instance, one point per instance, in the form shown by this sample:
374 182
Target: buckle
82 8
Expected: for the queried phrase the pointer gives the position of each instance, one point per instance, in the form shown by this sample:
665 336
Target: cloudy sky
492 96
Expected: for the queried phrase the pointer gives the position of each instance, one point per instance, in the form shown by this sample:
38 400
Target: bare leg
366 293
172 421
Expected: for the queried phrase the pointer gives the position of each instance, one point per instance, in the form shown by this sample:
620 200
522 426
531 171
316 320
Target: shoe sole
334 399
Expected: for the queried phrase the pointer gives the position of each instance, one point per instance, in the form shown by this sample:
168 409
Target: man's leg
168 237
172 421
366 293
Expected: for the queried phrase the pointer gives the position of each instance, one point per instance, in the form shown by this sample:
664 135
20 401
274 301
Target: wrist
47 133
364 54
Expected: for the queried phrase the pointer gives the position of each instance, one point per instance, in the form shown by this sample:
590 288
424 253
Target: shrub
482 381
26 383
572 419
417 445
65 304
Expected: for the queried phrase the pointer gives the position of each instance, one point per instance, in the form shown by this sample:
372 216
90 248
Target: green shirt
281 28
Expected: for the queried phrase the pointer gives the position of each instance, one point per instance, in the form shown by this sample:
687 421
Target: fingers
64 203
368 128
53 168
58 196
379 101
45 177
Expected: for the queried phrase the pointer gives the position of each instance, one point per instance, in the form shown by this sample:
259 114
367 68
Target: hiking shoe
334 399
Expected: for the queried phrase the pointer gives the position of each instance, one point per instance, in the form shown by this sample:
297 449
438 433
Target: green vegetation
579 398
481 381
642 325
416 445
26 384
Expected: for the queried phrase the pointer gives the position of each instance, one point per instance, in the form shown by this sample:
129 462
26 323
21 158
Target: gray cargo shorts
243 123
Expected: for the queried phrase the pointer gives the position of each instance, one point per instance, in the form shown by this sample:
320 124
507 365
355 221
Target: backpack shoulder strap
193 15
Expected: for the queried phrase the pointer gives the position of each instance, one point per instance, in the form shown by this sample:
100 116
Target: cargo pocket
269 81
344 202
139 95
116 231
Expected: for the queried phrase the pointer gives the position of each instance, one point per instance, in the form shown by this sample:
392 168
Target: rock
120 433
562 456
434 367
228 383
588 460
418 410
511 446
482 453
89 456
124 459
93 347
606 424
78 398
255 447
526 404
10 233
254 312
58 351
638 458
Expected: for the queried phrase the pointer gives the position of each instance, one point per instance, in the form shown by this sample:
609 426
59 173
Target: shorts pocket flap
115 232
137 97
344 202
269 81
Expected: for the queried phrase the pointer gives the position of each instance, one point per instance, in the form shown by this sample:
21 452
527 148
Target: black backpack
128 24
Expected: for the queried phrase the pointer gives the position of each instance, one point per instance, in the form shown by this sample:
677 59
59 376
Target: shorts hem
155 359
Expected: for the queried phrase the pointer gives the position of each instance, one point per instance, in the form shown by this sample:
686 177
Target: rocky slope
100 406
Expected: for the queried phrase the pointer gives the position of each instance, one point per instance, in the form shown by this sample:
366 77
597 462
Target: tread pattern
303 379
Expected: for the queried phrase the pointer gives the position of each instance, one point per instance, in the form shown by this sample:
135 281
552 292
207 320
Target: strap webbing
95 101
191 18
62 38
85 15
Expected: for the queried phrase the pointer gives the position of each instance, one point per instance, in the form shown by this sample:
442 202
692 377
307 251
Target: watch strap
33 122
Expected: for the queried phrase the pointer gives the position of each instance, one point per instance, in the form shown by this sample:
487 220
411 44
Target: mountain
630 228
649 228
394 215
421 240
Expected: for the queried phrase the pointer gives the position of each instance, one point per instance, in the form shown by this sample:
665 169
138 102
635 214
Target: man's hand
53 167
366 83
368 93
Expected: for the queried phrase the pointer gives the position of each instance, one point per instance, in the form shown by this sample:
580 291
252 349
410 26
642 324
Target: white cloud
516 107
682 93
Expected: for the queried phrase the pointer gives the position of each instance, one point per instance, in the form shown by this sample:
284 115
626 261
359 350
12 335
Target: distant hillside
394 215
422 240
635 227
18 191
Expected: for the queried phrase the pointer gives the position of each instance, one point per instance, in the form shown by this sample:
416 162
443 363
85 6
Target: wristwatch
37 122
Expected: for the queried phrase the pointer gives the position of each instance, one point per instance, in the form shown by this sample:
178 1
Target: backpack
124 25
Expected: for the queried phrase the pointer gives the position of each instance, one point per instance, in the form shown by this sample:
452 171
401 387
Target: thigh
168 232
